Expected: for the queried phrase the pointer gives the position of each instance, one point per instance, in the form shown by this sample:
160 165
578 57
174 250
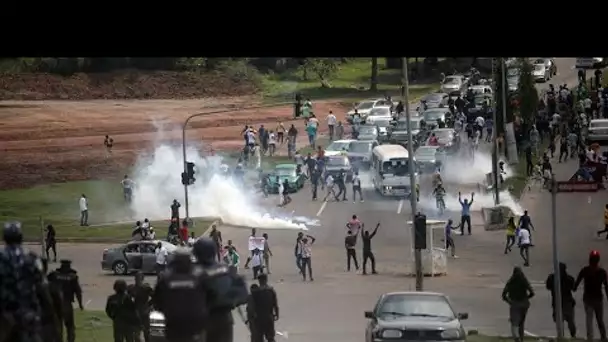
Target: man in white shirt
272 143
331 123
281 190
84 210
127 188
329 182
191 239
161 257
524 245
152 234
256 263
250 134
357 187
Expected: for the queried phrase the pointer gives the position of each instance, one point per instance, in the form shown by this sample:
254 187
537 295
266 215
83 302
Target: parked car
598 131
336 164
337 147
360 153
481 89
368 132
431 116
285 172
378 113
383 127
590 62
478 103
364 107
549 64
398 131
541 73
434 100
133 256
414 316
446 137
429 158
453 83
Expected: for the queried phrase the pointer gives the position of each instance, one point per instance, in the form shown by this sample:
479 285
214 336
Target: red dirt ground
57 141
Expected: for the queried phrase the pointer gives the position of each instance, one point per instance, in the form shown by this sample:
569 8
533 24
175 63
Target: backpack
227 289
185 303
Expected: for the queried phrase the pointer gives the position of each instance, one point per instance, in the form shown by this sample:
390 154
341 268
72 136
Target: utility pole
495 150
412 171
559 321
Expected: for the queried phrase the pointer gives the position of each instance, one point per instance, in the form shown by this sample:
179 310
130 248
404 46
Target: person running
449 241
465 213
306 256
517 293
525 222
357 187
524 246
511 234
596 280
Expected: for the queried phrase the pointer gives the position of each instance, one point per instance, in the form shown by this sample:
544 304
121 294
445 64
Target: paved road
474 281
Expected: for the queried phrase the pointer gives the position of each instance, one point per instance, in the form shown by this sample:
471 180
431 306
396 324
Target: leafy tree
374 77
323 68
528 96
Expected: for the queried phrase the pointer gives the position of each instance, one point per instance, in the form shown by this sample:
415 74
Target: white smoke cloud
158 182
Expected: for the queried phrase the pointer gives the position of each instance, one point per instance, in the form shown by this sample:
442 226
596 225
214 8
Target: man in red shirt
183 231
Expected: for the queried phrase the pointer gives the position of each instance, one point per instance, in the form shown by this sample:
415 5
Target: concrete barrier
496 218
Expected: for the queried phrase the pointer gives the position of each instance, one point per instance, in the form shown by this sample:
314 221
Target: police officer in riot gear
120 308
51 325
225 291
181 295
67 278
142 296
23 290
266 310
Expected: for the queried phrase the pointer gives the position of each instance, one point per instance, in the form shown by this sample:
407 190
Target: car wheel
119 268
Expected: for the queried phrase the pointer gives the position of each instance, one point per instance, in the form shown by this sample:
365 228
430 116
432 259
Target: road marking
322 208
400 206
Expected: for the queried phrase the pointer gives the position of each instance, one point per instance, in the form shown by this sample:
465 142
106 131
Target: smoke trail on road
462 169
158 182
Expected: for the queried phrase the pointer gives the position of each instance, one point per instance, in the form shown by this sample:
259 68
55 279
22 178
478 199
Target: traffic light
420 231
185 178
188 176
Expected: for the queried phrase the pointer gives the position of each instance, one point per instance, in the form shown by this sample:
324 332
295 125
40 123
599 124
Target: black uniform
315 176
23 288
52 325
181 295
121 310
340 182
265 308
67 278
366 237
51 242
142 297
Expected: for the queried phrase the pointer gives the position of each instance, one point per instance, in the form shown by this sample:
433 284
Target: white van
390 170
590 62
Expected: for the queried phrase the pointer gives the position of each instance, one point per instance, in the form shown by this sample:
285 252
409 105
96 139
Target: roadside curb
217 221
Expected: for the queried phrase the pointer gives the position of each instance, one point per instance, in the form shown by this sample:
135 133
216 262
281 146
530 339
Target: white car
378 113
452 83
481 89
365 106
540 72
338 147
590 62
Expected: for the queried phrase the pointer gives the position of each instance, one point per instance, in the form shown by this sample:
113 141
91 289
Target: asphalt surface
331 307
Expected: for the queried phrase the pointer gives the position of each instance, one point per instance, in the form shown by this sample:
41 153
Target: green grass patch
57 204
352 80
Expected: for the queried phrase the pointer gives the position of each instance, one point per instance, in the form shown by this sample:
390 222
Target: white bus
390 170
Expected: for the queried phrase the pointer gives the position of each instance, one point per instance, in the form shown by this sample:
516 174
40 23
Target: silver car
414 316
434 100
383 128
360 153
378 113
453 83
541 73
367 132
429 158
598 131
134 256
365 107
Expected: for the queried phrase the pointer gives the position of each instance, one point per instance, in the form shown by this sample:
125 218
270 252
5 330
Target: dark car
336 164
414 316
360 153
431 116
398 131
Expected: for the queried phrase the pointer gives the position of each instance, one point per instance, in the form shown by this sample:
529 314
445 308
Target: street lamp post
185 126
412 171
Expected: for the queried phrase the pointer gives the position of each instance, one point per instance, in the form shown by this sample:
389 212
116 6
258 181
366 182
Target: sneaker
362 201
455 256
354 202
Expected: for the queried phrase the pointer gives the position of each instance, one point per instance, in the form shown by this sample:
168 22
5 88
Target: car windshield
383 123
365 105
360 147
452 80
337 146
383 111
479 100
443 135
433 115
599 124
402 125
366 130
285 172
415 305
397 167
513 72
337 161
539 67
434 98
426 151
